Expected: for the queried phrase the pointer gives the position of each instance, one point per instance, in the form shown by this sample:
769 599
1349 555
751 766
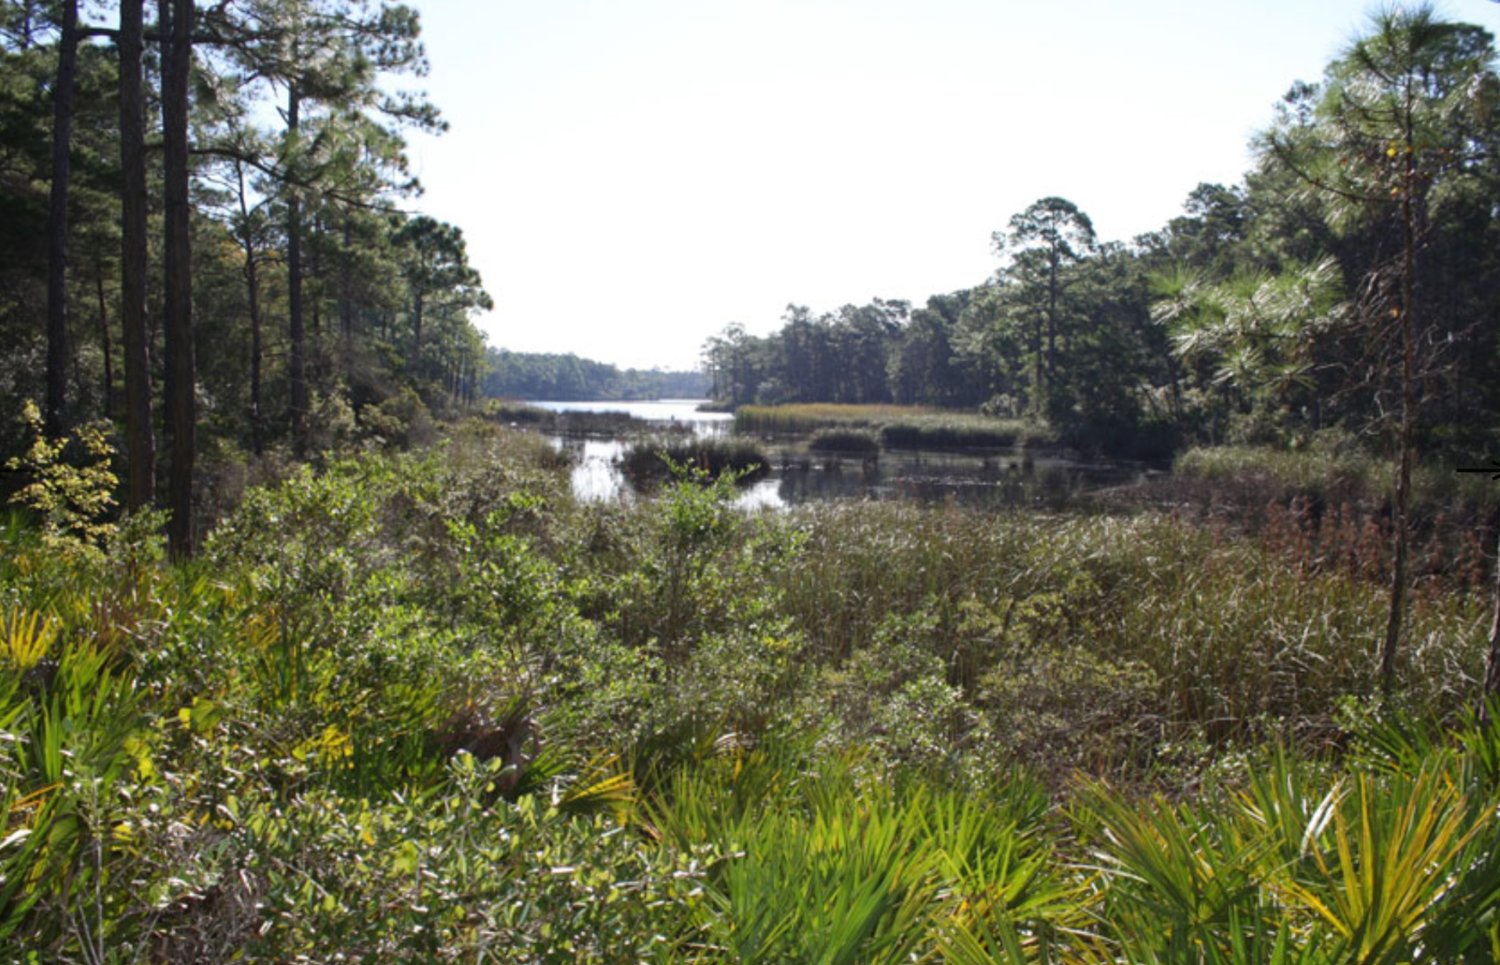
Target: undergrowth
427 707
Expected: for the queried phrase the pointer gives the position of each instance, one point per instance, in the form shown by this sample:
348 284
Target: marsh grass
807 416
853 441
1329 509
1096 639
648 461
1332 476
898 427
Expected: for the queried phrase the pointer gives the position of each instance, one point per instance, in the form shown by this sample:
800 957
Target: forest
229 266
568 378
1349 282
308 654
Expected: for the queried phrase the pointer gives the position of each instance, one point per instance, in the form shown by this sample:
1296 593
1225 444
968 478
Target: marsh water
1002 478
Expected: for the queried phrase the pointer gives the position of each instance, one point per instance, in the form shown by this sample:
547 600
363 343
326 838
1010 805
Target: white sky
633 175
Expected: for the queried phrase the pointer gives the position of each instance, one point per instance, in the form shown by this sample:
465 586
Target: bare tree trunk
416 345
295 328
109 367
57 221
346 306
140 444
252 293
1401 530
177 27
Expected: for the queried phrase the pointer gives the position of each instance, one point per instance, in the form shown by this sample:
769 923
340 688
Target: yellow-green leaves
72 501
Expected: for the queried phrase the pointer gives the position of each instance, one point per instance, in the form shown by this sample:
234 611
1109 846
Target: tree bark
1401 530
252 295
140 444
346 305
57 221
109 367
296 331
177 56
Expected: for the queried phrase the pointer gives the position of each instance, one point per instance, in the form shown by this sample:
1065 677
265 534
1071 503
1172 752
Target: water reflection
992 480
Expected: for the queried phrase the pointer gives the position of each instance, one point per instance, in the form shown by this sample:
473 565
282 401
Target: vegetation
568 378
898 427
810 416
365 680
425 705
854 441
294 302
1332 474
654 460
1346 283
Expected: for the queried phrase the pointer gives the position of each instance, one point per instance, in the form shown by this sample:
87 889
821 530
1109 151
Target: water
1008 480
992 480
668 411
596 474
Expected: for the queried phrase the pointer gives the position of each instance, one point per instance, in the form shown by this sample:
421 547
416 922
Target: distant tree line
568 378
1351 281
205 234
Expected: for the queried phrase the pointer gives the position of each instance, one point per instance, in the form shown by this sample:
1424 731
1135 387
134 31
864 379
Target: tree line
568 378
1349 281
229 249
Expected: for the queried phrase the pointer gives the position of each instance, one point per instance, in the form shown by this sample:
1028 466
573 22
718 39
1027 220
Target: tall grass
1100 637
1332 476
855 441
1328 508
807 416
899 427
649 460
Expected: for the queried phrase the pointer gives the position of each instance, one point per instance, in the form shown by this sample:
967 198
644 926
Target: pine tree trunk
252 296
296 331
109 366
140 444
177 55
1401 531
57 221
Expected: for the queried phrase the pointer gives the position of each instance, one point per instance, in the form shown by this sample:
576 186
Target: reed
898 427
649 460
1334 476
1122 632
854 441
952 431
807 416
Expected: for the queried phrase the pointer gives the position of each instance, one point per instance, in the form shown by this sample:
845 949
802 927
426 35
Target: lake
999 479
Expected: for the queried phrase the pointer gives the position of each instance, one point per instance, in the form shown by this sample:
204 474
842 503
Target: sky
631 176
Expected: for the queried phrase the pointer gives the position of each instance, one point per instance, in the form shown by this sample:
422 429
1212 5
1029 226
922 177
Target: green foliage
423 705
73 503
1354 867
1257 336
